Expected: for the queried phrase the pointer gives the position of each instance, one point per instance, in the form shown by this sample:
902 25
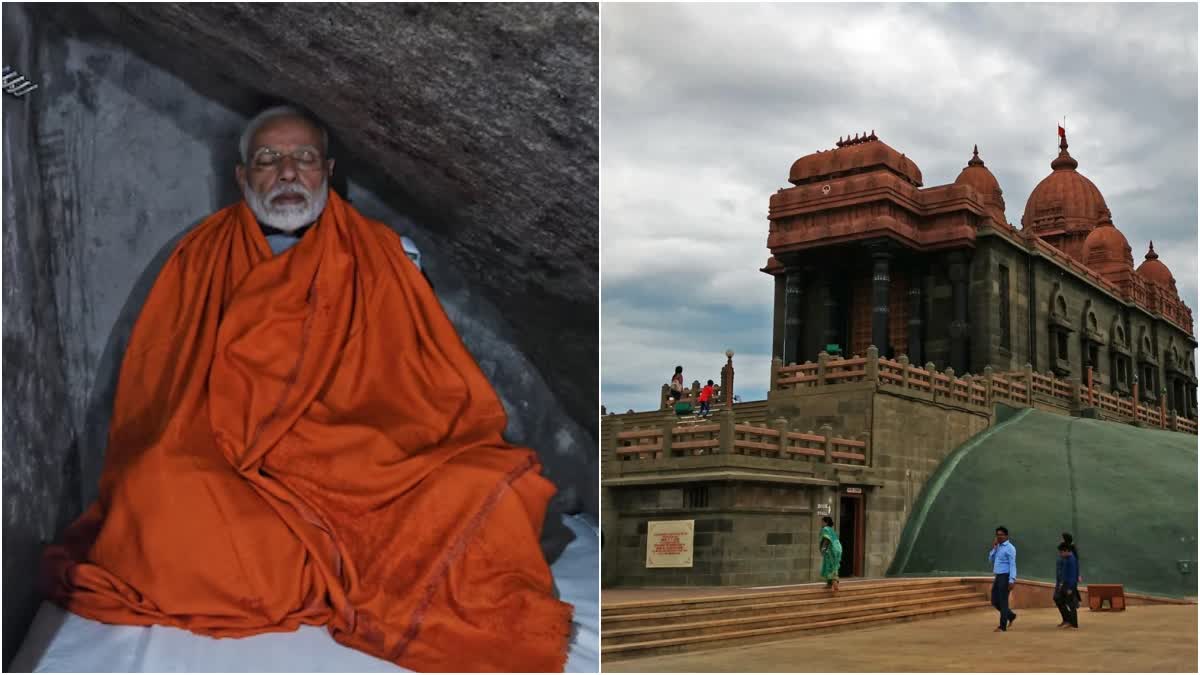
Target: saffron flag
1062 133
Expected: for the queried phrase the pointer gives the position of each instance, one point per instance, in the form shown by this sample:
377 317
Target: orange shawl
304 439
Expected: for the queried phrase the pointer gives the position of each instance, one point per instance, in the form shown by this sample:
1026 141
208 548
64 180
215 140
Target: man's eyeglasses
306 159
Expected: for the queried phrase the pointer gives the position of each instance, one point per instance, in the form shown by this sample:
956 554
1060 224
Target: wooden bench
1113 593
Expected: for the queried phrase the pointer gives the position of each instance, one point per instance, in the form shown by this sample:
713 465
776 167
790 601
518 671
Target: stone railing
690 395
1021 387
727 437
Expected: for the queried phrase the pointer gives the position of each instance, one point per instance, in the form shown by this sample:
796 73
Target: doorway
850 532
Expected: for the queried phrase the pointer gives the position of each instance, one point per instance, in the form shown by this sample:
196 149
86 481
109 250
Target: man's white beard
287 217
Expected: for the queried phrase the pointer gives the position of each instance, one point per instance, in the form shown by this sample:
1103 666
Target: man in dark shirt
1066 587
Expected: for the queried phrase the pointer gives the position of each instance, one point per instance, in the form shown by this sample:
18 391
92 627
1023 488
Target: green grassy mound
1127 494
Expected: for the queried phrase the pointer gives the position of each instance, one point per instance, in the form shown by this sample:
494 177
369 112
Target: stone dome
1065 194
978 176
1154 270
1106 250
854 156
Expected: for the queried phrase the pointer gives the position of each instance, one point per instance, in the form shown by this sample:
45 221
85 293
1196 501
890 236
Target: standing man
1066 587
1003 557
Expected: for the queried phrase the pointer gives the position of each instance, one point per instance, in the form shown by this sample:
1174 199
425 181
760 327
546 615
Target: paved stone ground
1140 639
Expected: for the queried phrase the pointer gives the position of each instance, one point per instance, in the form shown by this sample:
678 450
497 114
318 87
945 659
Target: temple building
877 277
863 254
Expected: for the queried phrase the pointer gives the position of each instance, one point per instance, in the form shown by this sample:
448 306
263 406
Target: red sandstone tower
863 254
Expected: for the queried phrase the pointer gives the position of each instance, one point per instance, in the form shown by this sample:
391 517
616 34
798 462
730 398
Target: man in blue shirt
1003 557
1066 586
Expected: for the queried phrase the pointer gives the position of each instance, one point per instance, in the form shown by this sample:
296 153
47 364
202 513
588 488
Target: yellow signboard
669 543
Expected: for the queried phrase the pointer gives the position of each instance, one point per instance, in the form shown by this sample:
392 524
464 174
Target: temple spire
1064 159
975 161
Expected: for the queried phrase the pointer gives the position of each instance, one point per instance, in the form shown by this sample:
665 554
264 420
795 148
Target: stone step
725 601
715 627
755 636
663 618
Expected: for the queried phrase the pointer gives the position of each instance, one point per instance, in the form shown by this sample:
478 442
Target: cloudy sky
705 107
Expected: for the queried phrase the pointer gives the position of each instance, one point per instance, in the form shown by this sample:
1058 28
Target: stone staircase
654 627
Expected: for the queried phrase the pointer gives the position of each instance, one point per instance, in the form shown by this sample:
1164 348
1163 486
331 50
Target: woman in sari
831 555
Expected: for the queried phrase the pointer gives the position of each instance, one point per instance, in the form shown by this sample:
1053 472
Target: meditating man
300 437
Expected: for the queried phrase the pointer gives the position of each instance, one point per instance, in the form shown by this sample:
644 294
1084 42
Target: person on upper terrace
706 395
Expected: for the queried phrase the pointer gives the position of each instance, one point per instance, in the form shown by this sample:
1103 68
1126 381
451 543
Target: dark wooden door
850 531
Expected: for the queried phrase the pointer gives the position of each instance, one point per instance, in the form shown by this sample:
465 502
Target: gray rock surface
115 157
41 463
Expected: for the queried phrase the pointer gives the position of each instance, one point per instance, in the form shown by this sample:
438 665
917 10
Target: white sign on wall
669 543
824 509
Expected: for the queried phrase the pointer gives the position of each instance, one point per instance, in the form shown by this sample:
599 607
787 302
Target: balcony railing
725 436
1022 387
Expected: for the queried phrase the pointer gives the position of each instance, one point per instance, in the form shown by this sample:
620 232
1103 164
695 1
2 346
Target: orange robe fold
304 439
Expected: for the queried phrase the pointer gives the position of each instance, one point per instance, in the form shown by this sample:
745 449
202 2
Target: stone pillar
610 537
793 337
1136 401
958 325
830 332
916 350
1091 384
609 526
780 424
727 378
726 419
668 428
881 284
1170 390
827 432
